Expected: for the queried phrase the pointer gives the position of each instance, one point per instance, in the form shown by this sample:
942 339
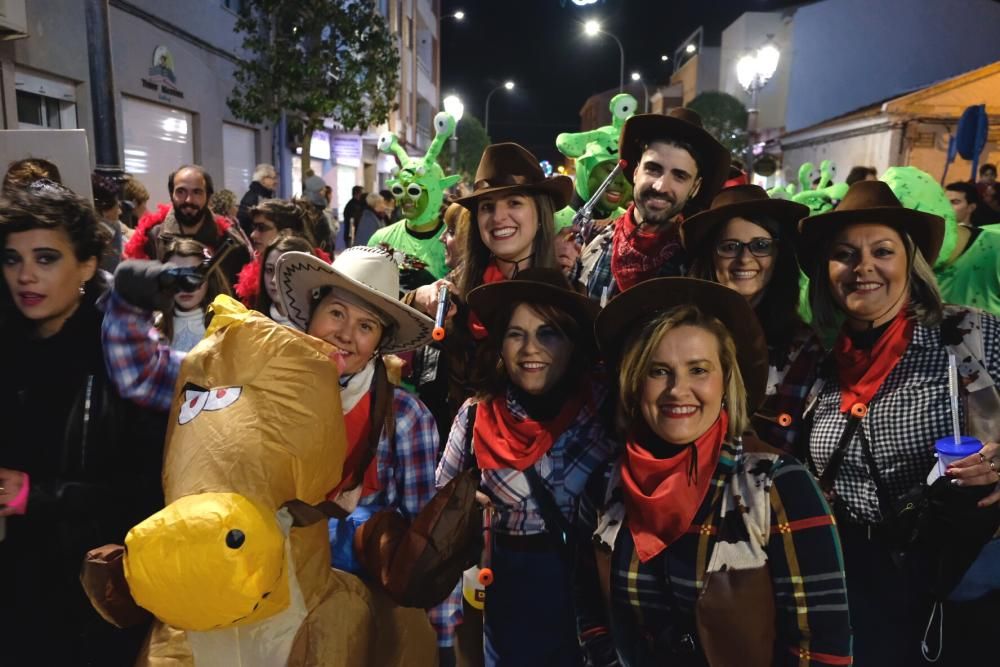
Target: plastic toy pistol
188 279
438 333
583 221
485 571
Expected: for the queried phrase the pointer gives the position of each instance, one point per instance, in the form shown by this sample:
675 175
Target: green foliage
472 141
725 118
315 59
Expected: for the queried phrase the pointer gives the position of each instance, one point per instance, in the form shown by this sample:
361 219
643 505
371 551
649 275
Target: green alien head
916 189
419 184
596 153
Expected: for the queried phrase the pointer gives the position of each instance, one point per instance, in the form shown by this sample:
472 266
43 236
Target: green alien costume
973 277
418 188
596 154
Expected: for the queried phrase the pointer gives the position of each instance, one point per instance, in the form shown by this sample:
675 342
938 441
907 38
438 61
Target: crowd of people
678 462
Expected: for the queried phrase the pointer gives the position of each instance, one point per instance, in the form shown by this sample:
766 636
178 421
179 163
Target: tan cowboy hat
743 201
633 308
533 286
868 202
679 124
508 167
370 274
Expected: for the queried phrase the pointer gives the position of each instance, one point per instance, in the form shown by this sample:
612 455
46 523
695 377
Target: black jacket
253 196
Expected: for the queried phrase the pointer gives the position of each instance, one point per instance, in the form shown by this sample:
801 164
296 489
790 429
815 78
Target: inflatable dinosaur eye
444 123
222 397
194 403
624 107
235 538
385 142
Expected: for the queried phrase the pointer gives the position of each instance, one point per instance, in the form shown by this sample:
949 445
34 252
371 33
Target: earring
83 288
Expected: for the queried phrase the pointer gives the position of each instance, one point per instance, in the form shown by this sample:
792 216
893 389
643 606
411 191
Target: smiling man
671 162
188 216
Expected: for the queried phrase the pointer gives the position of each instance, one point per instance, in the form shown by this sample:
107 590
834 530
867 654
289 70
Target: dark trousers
529 619
890 615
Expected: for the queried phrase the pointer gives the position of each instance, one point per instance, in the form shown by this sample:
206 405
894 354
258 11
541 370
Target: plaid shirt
565 469
907 414
791 373
653 603
140 362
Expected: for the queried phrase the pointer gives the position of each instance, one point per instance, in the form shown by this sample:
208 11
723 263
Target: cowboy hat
743 201
533 286
632 309
367 273
508 167
868 202
679 124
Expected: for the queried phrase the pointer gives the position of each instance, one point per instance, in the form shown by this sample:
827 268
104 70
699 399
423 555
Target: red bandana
862 372
501 440
492 274
637 256
663 495
357 423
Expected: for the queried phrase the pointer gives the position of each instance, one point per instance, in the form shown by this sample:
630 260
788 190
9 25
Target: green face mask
419 184
596 150
619 193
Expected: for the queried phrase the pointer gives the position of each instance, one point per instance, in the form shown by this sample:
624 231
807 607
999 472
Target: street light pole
592 28
454 107
509 85
645 90
753 73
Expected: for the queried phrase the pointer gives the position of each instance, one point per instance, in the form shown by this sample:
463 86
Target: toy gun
438 333
583 221
188 279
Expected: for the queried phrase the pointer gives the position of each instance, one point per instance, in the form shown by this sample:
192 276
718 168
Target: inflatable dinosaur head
916 189
256 423
420 183
596 154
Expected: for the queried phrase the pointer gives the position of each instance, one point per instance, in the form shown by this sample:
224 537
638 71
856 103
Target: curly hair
222 202
22 173
295 215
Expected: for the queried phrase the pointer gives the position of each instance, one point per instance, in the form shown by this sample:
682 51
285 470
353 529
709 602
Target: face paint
419 185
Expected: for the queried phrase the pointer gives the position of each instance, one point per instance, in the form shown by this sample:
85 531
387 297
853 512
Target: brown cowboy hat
633 308
533 286
508 167
743 201
868 202
679 124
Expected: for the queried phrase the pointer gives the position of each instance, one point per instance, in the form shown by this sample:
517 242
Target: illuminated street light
453 105
592 28
690 48
508 85
664 57
459 15
636 76
753 71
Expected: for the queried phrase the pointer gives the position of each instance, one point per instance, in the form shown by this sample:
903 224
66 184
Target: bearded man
189 217
674 165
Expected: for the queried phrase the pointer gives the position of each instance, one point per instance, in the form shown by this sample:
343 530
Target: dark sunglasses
758 247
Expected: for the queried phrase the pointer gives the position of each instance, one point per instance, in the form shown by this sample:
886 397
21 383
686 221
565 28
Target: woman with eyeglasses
744 241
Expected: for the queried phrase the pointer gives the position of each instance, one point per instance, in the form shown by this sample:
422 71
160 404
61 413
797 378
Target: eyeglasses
758 247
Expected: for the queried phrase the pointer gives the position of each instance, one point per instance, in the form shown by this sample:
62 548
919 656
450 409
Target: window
44 102
37 111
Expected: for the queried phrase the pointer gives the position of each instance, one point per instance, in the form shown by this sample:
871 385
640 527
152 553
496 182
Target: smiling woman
66 484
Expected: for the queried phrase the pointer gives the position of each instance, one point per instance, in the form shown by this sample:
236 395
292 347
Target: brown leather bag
735 616
103 580
420 564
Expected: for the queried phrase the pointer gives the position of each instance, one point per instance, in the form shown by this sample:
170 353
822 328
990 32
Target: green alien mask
419 184
596 153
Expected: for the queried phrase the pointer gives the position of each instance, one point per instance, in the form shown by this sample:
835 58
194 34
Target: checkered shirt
908 413
651 601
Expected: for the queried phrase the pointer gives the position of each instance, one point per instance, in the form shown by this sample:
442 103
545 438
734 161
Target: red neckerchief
357 423
862 372
637 256
662 495
501 440
492 274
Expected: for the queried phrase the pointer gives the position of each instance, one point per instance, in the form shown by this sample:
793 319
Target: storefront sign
162 79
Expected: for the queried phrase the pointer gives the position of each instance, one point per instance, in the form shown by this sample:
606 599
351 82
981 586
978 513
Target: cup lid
966 445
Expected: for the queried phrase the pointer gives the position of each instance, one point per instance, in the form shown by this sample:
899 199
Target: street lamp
636 76
592 28
664 57
508 85
454 107
690 48
753 72
459 15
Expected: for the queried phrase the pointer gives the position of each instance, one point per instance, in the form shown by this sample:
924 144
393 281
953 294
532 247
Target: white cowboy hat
368 273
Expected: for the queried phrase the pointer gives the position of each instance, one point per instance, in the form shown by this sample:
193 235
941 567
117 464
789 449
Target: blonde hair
637 358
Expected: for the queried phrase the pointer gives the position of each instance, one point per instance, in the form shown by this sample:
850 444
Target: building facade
173 65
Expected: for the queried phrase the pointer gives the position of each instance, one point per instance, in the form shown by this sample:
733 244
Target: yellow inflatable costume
231 577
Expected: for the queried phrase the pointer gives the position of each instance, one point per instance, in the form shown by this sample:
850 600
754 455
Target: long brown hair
476 256
185 247
286 241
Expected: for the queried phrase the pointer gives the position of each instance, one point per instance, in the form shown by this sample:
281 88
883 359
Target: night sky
541 46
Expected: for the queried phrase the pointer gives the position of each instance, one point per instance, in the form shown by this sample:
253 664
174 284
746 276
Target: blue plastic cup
949 451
